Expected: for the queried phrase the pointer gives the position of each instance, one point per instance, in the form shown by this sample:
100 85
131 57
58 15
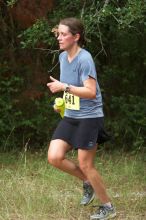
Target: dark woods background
116 37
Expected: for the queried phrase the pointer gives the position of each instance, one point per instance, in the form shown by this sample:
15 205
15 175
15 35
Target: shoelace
102 209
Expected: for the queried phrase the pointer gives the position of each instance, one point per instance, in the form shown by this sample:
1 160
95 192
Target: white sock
87 182
108 204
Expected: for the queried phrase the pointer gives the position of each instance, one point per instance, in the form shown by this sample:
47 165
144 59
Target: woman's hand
55 85
56 109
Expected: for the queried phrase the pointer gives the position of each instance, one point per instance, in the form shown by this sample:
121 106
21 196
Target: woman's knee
55 156
85 167
86 160
54 159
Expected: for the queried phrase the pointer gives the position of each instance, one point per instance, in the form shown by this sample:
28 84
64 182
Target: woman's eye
62 34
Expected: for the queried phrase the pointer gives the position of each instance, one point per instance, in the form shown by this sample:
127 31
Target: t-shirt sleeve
87 69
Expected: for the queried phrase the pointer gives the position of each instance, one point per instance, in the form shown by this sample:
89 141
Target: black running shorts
81 133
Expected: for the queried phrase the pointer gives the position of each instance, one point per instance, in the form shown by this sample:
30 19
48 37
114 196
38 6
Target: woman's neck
73 52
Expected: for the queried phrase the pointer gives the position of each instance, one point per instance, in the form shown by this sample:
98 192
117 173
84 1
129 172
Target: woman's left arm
87 91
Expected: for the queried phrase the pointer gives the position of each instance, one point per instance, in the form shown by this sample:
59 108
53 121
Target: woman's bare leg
56 157
86 162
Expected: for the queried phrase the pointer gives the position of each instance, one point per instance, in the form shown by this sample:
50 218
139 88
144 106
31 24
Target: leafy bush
128 123
9 87
22 122
39 33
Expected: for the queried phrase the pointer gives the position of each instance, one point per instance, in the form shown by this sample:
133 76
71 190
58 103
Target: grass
30 189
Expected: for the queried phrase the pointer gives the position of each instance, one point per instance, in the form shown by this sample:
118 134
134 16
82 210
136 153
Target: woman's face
65 38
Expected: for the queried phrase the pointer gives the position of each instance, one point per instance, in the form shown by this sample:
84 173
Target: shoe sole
109 217
91 200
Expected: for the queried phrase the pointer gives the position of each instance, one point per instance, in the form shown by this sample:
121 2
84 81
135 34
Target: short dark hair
75 27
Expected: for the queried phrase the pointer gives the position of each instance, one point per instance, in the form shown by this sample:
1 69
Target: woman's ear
77 37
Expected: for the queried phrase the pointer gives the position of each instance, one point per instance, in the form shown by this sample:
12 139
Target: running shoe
88 194
104 213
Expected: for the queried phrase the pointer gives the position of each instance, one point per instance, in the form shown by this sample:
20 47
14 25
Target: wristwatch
67 88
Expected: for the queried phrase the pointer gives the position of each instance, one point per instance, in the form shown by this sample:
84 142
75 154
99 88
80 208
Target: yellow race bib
71 101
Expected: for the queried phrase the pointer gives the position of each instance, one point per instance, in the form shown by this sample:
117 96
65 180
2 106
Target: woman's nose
59 37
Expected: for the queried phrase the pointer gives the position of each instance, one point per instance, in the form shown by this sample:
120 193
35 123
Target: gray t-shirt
75 73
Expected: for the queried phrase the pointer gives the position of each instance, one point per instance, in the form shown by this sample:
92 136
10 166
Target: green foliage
132 12
40 32
9 88
22 122
129 121
115 33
